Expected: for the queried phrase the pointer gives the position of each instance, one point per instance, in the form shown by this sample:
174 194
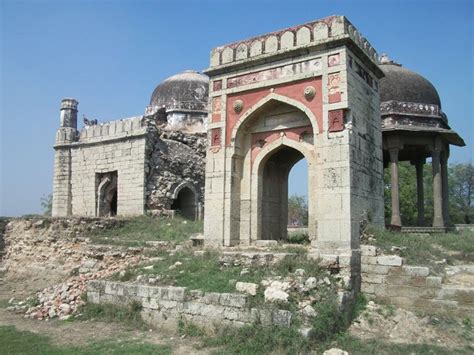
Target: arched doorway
184 202
273 192
107 194
298 201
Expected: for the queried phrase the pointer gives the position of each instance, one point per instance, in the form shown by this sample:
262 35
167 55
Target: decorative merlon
306 35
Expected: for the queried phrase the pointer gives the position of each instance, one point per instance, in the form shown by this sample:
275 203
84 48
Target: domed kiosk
182 100
415 128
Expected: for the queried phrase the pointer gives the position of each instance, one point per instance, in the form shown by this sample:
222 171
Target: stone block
143 291
457 293
372 278
211 311
375 269
232 300
368 250
281 318
176 293
367 288
192 307
93 297
416 270
211 298
389 260
369 260
247 287
434 281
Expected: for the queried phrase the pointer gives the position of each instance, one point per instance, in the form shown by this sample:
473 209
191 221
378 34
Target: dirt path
82 332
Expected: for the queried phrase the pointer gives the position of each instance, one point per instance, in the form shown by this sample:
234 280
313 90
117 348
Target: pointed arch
257 180
266 100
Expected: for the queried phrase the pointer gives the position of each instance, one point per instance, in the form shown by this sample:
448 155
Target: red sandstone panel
217 85
260 140
336 120
215 137
216 108
334 93
293 90
275 73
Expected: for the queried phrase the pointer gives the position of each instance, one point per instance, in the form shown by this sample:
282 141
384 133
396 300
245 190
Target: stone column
444 181
438 220
395 220
420 194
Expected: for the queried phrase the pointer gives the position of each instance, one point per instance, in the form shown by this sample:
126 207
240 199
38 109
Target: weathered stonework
277 92
126 167
385 277
163 307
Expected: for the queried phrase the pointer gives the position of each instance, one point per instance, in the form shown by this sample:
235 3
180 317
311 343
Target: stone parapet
119 129
163 307
385 277
304 36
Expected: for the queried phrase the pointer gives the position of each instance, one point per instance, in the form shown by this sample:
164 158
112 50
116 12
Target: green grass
128 314
138 230
424 249
196 272
205 272
298 238
258 339
14 341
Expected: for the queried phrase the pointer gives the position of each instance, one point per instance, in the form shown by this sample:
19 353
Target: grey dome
401 84
188 91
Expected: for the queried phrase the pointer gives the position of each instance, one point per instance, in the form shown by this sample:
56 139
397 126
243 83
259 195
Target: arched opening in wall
298 203
106 194
185 203
273 192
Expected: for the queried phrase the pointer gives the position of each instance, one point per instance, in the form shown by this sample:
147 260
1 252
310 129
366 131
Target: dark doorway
106 194
185 203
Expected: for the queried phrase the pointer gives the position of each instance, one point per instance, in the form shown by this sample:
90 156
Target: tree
461 193
297 211
408 193
47 204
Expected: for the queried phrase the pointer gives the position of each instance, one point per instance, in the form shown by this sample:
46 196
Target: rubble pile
52 251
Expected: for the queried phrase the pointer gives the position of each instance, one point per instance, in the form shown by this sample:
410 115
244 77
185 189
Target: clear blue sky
110 55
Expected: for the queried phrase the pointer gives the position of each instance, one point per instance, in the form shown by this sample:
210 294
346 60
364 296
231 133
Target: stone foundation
386 278
163 307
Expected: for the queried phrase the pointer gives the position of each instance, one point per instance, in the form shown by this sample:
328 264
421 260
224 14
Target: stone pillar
395 220
438 220
420 194
444 181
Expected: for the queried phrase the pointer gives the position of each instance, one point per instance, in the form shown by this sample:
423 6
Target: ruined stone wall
165 306
385 277
173 158
112 146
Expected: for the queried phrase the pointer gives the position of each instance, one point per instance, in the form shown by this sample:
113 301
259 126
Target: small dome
401 84
188 91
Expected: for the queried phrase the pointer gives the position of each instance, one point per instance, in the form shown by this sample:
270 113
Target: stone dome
401 84
186 91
